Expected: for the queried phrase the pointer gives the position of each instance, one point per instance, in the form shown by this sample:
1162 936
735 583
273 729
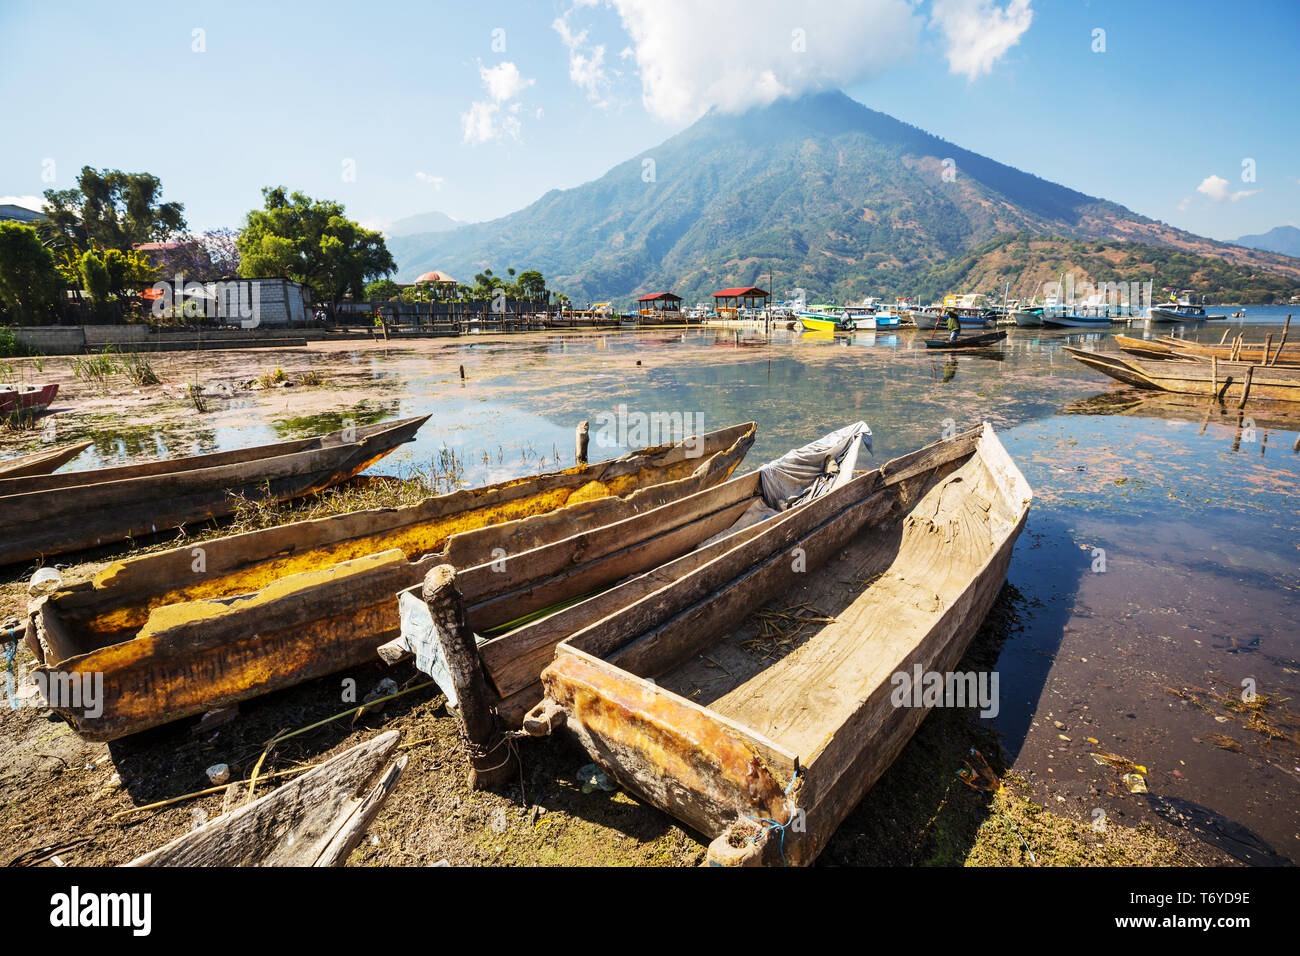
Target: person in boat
954 325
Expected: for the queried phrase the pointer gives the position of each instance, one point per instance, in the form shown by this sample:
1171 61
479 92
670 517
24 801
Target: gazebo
660 306
731 301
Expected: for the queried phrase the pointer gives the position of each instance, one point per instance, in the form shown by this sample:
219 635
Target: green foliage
95 369
311 241
139 369
29 281
94 277
383 289
109 210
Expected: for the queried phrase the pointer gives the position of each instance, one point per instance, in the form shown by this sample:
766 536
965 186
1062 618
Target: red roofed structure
730 301
659 305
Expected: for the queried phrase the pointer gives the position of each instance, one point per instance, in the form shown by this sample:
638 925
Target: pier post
580 455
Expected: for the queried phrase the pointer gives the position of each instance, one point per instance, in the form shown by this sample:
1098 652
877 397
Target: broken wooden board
315 820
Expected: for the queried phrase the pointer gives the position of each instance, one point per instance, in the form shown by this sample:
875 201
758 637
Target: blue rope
779 827
11 650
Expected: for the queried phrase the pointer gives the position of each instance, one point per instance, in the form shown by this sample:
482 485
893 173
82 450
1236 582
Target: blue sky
374 104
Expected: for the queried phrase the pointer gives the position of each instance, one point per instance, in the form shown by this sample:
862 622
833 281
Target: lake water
1157 579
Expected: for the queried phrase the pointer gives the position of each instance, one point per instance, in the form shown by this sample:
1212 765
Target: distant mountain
422 224
1024 263
1283 239
829 195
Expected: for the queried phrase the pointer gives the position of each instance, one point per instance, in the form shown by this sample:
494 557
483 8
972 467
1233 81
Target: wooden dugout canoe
1169 347
187 630
987 340
41 462
670 695
1218 379
504 668
53 514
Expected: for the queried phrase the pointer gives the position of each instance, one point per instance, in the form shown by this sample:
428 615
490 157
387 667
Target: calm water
1195 522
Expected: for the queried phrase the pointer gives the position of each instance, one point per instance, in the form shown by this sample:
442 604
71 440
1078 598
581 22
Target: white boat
1027 318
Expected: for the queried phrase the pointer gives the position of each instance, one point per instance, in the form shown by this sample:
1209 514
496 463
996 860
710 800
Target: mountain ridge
833 196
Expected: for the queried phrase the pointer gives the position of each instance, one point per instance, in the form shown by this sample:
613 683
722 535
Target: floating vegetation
139 370
311 377
272 377
95 369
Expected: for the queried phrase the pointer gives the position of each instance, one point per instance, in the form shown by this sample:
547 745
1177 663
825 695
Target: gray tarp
805 473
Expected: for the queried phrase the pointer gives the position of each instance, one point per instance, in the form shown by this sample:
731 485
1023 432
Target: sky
1182 111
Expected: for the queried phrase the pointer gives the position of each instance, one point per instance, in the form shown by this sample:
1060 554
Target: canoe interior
120 598
167 652
970 342
712 699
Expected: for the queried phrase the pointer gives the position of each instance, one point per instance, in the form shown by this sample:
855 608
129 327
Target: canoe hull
1221 380
56 514
787 741
273 608
41 462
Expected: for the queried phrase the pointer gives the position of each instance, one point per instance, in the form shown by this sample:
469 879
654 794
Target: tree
29 282
383 289
109 210
532 286
94 277
206 257
313 242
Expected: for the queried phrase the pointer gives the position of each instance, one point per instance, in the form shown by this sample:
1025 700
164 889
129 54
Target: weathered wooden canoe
316 820
53 514
503 666
1221 380
679 698
190 629
41 462
1170 347
987 340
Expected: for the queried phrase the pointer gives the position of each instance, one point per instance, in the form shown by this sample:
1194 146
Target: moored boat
41 462
765 746
26 399
1027 318
1221 380
984 341
54 514
182 631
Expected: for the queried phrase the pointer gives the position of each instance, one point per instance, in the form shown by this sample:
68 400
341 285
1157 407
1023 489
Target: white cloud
586 62
485 120
434 181
1184 203
733 54
1216 187
503 81
978 32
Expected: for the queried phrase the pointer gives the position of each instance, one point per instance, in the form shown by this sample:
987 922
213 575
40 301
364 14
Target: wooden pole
1245 388
1225 335
1214 375
492 759
582 437
1286 327
1268 345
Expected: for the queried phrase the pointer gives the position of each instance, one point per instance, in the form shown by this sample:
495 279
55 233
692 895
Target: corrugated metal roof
659 295
747 290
